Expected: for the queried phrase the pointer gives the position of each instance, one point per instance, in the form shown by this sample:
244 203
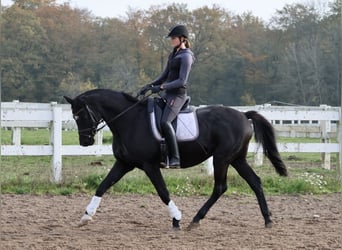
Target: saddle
185 125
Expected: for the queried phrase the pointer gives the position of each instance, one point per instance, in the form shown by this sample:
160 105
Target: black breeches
173 105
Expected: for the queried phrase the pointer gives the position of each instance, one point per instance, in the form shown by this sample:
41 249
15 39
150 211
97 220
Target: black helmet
177 31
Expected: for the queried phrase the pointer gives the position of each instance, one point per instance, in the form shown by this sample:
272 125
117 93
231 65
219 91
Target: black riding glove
155 89
144 89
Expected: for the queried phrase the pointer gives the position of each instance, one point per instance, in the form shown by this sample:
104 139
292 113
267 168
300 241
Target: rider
174 81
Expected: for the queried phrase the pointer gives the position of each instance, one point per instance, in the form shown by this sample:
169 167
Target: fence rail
318 122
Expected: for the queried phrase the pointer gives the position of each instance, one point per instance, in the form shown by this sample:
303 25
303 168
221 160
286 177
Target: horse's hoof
269 225
85 220
175 224
193 225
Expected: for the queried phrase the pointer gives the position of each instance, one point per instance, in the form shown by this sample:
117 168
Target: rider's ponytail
186 42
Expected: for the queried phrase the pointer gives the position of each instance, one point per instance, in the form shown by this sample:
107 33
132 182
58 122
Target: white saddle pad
187 127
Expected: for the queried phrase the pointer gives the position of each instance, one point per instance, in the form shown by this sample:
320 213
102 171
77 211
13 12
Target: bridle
97 121
93 118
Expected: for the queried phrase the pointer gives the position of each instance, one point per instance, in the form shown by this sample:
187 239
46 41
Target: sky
118 8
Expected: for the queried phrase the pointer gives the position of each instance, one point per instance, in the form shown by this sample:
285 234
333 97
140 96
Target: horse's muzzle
86 141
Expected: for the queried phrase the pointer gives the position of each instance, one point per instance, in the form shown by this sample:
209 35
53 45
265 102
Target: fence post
210 166
339 140
259 157
16 136
99 140
16 132
325 127
56 142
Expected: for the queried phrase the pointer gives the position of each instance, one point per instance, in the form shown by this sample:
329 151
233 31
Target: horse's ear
68 99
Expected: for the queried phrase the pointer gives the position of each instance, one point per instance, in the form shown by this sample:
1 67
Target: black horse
224 134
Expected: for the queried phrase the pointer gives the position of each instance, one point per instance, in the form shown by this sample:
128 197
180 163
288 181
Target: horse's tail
264 134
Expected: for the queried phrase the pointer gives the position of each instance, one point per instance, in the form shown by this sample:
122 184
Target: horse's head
86 119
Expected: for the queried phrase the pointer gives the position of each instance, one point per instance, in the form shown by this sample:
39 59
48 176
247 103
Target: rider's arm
162 78
185 67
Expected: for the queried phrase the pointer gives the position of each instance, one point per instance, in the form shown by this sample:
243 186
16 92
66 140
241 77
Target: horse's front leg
154 174
116 173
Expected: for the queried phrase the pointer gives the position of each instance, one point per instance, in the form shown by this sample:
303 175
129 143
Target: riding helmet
178 31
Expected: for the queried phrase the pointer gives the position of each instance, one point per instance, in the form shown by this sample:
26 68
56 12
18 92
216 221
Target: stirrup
173 165
163 164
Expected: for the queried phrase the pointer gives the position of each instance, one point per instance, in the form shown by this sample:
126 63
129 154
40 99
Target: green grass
83 174
42 137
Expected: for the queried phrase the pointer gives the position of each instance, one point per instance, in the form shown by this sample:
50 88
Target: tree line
49 50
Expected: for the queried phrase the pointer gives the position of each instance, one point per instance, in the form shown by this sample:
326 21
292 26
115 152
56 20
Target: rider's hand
155 89
144 89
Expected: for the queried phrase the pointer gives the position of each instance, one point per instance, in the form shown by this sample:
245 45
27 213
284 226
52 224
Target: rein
95 121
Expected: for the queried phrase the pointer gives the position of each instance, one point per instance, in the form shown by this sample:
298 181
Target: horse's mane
129 97
133 99
126 96
97 91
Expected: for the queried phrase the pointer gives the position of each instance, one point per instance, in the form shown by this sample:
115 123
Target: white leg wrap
93 205
174 211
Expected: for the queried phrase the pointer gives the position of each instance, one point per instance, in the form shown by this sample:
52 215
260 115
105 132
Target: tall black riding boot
172 145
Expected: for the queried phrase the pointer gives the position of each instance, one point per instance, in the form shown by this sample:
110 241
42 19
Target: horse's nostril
88 142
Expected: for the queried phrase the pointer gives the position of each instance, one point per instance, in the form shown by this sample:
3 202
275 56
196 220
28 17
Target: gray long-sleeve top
176 72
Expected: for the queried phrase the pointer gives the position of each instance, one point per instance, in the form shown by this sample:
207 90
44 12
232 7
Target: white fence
299 121
320 122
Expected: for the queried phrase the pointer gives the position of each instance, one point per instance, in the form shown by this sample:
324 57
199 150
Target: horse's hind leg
220 176
246 172
116 173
